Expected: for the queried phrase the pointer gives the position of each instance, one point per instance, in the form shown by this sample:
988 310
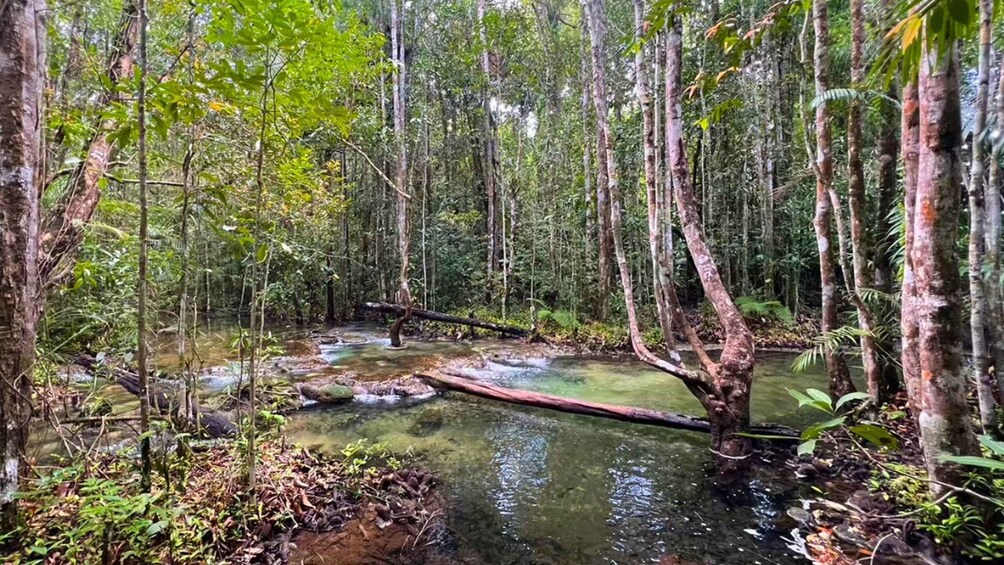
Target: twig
875 550
377 169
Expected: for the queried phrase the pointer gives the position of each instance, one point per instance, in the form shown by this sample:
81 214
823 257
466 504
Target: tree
144 244
63 229
944 412
401 170
836 366
726 394
22 82
490 154
660 278
980 317
856 198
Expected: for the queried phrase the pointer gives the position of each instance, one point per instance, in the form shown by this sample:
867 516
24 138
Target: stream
532 486
525 485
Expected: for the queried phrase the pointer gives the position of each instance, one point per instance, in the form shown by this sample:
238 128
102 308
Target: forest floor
200 510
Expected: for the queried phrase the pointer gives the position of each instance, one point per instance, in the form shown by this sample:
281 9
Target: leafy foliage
821 402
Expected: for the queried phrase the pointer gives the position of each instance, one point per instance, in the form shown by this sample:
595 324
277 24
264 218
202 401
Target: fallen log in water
440 317
212 423
573 406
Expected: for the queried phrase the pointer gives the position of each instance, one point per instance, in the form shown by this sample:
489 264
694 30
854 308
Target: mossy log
211 422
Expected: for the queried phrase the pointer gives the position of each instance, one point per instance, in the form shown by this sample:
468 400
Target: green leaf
806 447
995 447
973 461
801 398
819 395
815 430
961 11
851 396
876 435
262 253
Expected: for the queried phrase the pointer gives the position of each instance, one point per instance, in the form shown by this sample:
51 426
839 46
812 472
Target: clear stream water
524 485
532 486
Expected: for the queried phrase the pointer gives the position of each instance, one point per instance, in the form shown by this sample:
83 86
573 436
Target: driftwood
573 406
211 422
440 317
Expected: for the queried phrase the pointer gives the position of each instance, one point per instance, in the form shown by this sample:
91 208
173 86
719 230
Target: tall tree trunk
144 243
22 168
490 155
401 170
910 348
944 413
660 278
978 318
836 366
728 403
188 411
995 294
877 390
64 226
605 243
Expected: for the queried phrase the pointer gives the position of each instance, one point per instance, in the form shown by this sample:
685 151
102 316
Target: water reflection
533 486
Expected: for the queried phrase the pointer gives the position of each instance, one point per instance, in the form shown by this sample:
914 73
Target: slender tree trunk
401 170
22 168
602 202
877 391
188 411
978 318
910 141
490 151
995 294
659 278
144 244
944 413
64 227
836 366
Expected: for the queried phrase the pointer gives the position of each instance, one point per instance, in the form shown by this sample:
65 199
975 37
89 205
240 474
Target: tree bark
144 243
910 140
860 249
836 366
660 279
979 318
728 400
401 172
64 228
586 408
995 294
490 155
944 413
22 168
605 243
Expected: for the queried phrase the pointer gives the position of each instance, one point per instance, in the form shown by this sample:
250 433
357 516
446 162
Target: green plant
364 458
820 401
764 310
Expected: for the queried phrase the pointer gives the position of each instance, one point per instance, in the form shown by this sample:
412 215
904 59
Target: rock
331 394
850 535
802 516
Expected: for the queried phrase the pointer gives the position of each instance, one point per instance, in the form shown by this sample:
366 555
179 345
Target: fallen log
573 406
211 422
440 317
